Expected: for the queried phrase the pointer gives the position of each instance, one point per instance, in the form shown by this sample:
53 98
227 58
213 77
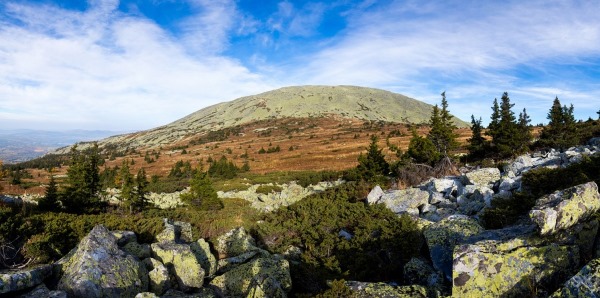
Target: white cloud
102 69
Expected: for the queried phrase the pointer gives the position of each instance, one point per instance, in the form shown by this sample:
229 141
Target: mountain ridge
368 104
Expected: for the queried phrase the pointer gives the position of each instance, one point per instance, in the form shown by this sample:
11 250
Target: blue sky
138 64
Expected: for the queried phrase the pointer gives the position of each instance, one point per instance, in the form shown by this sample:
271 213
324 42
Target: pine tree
442 128
561 130
141 185
126 185
477 143
202 195
50 202
422 150
83 182
503 128
373 166
495 119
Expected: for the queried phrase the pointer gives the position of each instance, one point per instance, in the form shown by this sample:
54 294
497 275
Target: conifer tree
525 136
83 181
141 185
202 195
561 130
50 202
422 150
495 119
442 128
373 166
127 195
503 128
477 143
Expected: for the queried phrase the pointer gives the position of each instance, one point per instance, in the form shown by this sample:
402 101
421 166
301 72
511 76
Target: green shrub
267 189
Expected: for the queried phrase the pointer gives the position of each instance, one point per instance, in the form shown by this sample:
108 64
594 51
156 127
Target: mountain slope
289 102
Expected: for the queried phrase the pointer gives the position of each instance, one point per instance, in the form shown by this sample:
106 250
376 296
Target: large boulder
98 268
175 231
181 262
563 209
586 283
405 201
158 276
510 262
383 290
483 177
234 242
207 260
16 280
261 277
442 236
375 194
419 272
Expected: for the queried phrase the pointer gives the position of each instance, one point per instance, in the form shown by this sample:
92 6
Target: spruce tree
495 119
202 195
422 150
50 202
373 166
504 129
561 130
477 142
141 185
127 195
525 136
83 182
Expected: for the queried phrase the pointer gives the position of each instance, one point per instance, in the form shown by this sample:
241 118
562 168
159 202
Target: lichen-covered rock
383 290
158 276
227 264
11 281
141 251
443 185
181 262
124 237
234 242
272 275
510 268
418 272
565 208
98 268
207 260
146 295
483 177
202 293
442 236
175 231
586 283
405 201
375 194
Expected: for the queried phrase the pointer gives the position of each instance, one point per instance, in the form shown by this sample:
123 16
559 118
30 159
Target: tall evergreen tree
561 130
525 135
50 202
495 119
126 183
477 142
422 150
202 195
141 185
504 128
83 182
373 166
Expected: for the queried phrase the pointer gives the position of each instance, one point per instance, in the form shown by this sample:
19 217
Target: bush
267 189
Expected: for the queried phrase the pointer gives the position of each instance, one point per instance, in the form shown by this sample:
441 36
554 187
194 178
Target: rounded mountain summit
289 102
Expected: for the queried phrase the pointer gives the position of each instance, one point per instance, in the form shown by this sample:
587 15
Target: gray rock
175 231
508 184
384 290
375 194
234 242
428 208
483 177
405 201
146 295
158 276
436 197
563 209
207 260
227 264
443 185
418 272
181 262
141 251
586 283
98 268
442 236
124 237
266 277
16 280
345 234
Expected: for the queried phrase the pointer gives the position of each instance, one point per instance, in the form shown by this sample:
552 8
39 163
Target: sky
138 64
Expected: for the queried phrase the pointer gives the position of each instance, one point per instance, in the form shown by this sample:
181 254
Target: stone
508 184
98 268
418 272
40 291
227 264
234 242
175 231
586 283
181 262
16 280
375 194
141 251
345 234
146 295
428 208
207 260
436 198
184 231
483 177
442 185
202 293
442 236
520 165
124 237
158 276
565 208
510 268
272 275
380 289
405 201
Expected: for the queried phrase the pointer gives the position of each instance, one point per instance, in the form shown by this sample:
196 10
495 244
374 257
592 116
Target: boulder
16 280
443 185
380 289
207 260
482 177
98 268
375 194
181 262
520 165
405 201
158 276
146 295
565 208
124 237
141 251
442 236
202 293
227 264
175 231
269 276
586 283
234 242
510 268
41 291
418 272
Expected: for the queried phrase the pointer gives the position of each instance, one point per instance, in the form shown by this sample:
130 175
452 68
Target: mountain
289 102
19 145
